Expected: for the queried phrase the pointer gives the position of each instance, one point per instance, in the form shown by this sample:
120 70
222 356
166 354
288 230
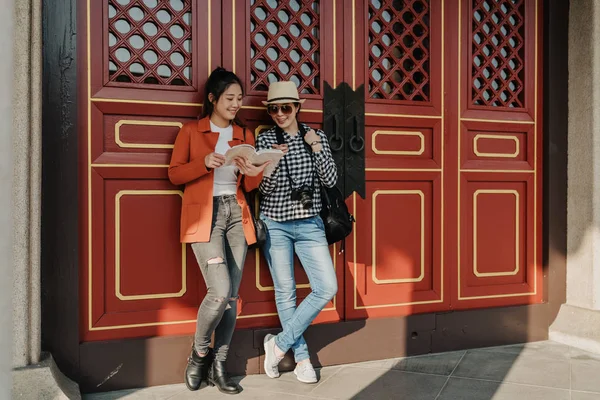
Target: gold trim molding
399 152
151 296
374 236
122 144
496 137
475 252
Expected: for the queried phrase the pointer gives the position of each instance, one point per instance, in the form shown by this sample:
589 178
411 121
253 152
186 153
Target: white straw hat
283 92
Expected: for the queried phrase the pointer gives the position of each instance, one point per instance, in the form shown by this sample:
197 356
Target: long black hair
218 82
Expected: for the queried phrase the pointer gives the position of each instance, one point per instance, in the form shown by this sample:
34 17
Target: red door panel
396 262
499 154
399 241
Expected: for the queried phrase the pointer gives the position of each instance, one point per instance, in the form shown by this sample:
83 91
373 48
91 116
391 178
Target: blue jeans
307 238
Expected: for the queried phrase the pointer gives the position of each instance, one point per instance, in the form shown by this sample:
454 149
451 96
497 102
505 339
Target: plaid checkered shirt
277 203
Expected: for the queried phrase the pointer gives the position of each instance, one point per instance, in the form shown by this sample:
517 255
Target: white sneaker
271 363
305 372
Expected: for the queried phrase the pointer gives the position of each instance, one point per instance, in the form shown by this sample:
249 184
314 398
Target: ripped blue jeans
221 261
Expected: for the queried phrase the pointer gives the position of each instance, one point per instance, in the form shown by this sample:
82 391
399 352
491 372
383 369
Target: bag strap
281 140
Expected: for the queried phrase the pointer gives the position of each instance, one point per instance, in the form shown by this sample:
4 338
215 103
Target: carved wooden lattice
399 49
498 53
284 44
150 41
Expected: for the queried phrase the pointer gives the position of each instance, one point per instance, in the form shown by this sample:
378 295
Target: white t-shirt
225 177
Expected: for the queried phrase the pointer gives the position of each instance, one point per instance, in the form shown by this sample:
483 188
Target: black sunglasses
286 109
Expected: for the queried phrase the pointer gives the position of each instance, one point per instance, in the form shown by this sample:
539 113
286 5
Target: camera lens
306 200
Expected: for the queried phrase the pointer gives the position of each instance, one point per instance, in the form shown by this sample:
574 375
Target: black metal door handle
336 137
357 143
357 148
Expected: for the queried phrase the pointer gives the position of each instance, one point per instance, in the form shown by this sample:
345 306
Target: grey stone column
578 322
27 101
6 173
35 375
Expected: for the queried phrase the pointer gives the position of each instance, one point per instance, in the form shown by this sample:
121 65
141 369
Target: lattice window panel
284 44
150 42
399 40
498 53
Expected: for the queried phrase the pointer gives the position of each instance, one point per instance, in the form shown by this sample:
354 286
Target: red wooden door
497 146
144 69
451 217
147 61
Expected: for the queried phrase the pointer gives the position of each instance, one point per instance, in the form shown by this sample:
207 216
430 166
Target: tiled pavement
536 371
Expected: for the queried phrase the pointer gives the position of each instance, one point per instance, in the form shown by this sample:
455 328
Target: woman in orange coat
216 220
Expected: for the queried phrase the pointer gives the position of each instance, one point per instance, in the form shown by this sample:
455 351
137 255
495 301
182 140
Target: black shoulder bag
259 225
335 215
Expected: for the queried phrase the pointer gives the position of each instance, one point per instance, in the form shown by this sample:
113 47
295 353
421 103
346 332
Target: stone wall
578 322
6 177
27 118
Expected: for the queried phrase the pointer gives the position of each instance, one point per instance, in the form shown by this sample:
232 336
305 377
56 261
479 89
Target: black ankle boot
197 369
218 377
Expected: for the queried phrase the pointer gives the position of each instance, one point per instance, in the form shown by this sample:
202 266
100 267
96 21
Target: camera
303 194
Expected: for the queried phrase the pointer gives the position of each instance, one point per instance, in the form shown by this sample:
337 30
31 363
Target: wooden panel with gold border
407 144
497 239
497 146
395 261
143 280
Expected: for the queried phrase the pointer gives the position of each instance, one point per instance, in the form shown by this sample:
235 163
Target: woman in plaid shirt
290 207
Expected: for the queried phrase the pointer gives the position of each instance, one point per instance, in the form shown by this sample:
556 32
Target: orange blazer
194 142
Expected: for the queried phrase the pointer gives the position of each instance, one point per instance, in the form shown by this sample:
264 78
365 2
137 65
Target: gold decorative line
89 162
374 235
496 137
354 247
535 130
259 129
399 152
410 303
334 47
458 134
496 121
256 315
122 144
144 325
209 26
404 116
275 314
264 108
403 169
520 171
353 23
130 165
131 101
497 296
475 252
443 166
233 32
118 293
